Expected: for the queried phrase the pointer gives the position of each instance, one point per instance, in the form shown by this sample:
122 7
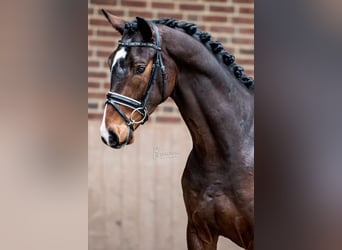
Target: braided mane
214 47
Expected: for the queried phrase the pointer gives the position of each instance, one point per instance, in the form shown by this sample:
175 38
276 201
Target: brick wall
229 21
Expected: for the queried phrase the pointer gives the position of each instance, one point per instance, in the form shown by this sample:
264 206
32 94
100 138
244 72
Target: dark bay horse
164 58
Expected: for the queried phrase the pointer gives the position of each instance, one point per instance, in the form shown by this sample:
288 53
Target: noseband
140 106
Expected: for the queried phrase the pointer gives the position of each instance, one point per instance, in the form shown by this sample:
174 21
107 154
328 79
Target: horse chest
210 194
203 194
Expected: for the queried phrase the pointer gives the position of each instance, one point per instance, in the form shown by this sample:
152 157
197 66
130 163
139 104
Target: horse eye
140 69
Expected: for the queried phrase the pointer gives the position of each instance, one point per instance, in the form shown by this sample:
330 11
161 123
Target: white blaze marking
103 129
120 54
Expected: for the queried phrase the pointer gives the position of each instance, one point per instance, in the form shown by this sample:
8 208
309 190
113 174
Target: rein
140 106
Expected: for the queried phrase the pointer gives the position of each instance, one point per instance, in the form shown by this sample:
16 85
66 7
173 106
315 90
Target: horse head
142 77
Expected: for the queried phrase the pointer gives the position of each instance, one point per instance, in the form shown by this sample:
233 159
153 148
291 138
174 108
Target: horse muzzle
117 138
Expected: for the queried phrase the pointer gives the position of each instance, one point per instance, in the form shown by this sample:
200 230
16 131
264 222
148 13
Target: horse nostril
113 139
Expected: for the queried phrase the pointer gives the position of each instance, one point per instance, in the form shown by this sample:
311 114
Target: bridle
140 106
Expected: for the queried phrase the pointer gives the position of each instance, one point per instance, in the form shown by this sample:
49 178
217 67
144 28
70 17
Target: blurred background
43 128
135 197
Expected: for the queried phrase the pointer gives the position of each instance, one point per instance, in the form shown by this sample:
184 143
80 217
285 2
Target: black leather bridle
140 106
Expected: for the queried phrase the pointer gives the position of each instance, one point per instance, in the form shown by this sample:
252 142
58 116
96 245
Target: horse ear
145 29
115 21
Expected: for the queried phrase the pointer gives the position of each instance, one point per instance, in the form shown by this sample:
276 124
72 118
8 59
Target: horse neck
216 108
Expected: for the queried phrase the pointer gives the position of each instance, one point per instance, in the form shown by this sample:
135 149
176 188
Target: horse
157 59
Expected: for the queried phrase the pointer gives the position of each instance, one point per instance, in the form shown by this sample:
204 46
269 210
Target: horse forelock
216 48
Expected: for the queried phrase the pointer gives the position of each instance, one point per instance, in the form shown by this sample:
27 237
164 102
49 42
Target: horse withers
165 58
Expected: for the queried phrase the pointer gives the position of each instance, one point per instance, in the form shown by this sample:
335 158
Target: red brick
247 51
230 50
101 43
245 61
243 1
249 72
243 20
99 22
163 5
104 1
222 39
90 11
93 85
97 95
246 30
227 9
92 105
93 64
215 19
170 15
133 3
104 64
114 12
90 53
242 41
143 14
107 85
106 33
219 1
202 27
247 10
90 32
101 53
193 17
168 119
223 29
191 7
95 116
97 74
